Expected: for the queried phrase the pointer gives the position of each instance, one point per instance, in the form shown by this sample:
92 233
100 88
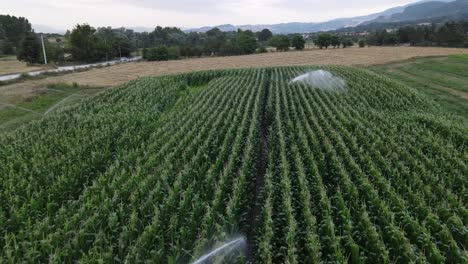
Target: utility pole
107 50
43 49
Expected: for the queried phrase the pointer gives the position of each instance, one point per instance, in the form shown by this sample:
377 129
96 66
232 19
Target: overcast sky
63 14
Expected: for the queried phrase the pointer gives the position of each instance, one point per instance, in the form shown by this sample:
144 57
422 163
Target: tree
451 34
173 53
298 42
323 40
280 42
117 42
160 53
246 42
347 42
362 43
264 35
30 49
86 45
214 40
335 41
13 30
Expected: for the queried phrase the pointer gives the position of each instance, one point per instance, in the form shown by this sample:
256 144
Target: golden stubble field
118 74
9 65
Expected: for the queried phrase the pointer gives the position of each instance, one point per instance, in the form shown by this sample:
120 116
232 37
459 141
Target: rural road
13 76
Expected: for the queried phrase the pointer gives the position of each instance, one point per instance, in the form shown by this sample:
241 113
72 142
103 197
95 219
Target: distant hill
427 12
304 27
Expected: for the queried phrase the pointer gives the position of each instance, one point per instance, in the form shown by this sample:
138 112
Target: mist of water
224 249
321 79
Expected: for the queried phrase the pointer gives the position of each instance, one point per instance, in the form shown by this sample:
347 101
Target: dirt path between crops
260 170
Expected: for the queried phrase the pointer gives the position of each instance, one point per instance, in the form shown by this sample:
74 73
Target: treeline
84 43
88 44
449 34
173 43
18 38
325 40
12 32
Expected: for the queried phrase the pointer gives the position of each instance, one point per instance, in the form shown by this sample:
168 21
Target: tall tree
264 35
246 41
12 32
86 45
298 42
323 40
451 34
30 49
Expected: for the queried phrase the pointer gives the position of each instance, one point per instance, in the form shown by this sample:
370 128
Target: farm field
9 65
119 74
444 79
164 169
13 97
16 111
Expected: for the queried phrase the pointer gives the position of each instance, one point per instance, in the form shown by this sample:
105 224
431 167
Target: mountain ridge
427 12
309 27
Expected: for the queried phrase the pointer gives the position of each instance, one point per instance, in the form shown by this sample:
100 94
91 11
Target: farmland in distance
164 169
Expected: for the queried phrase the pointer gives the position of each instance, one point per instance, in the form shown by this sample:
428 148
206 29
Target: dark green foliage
215 39
160 53
362 43
346 42
173 53
85 45
30 49
246 41
335 41
261 49
229 48
324 40
264 35
298 42
450 34
383 37
191 51
280 42
12 32
165 169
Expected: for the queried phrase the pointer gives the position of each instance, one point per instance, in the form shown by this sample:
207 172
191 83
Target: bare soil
118 74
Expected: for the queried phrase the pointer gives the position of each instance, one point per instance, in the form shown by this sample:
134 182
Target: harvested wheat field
118 74
9 65
352 56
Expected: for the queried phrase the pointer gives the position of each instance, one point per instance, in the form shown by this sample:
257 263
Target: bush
261 49
346 42
174 53
362 44
280 42
160 53
229 48
191 51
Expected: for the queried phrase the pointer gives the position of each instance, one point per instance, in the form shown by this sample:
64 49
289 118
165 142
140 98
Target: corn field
161 170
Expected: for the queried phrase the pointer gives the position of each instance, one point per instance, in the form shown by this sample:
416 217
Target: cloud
64 14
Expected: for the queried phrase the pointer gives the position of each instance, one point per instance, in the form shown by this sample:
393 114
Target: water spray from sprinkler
321 79
226 248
